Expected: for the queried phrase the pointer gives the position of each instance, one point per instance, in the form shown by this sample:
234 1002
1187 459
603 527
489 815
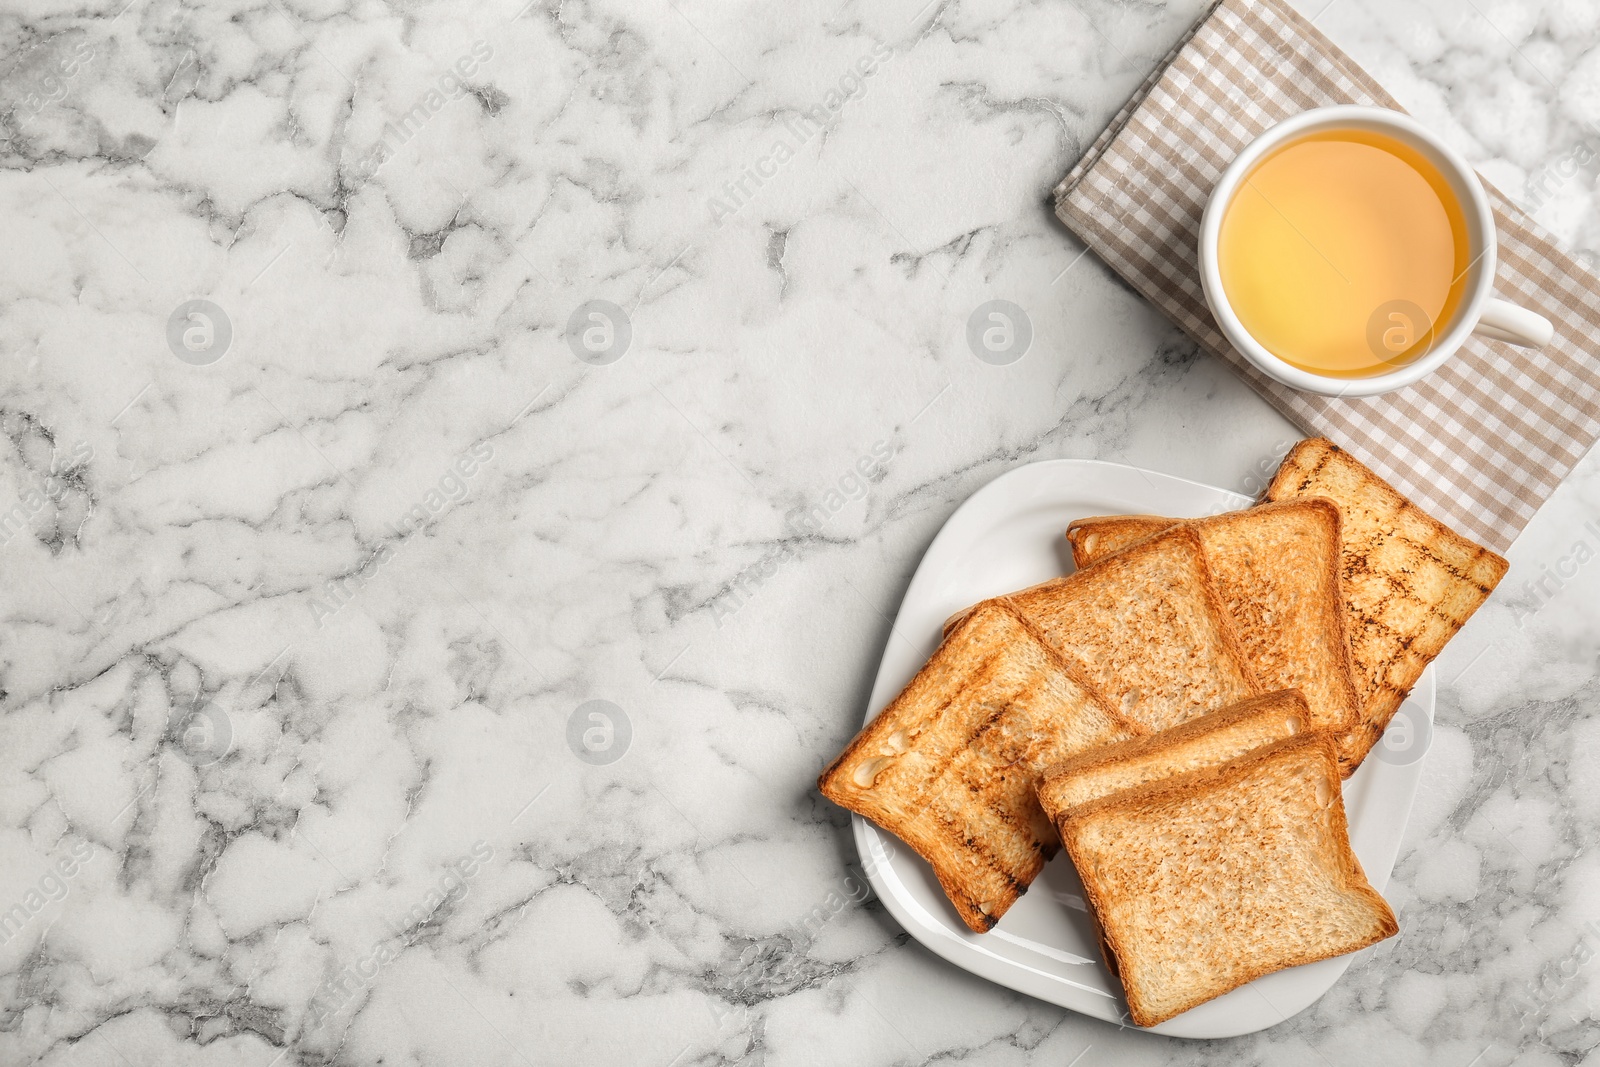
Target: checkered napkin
1481 442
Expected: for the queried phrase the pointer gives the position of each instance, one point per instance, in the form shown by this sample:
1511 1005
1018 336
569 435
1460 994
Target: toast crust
951 765
1277 567
1409 582
1095 538
1167 801
1282 714
1147 629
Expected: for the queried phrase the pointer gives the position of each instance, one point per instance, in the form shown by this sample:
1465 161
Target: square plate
1007 536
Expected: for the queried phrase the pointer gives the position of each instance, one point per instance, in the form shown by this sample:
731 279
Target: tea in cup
1347 251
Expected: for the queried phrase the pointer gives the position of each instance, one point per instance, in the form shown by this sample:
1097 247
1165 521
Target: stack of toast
1407 582
1214 853
1179 713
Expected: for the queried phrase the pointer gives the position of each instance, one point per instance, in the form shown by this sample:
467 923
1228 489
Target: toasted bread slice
1209 880
1096 538
951 766
1409 581
1208 741
1276 568
1147 630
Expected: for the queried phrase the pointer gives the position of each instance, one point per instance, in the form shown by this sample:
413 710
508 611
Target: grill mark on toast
940 771
1006 814
1071 669
1388 563
969 815
1396 537
1402 594
1011 818
979 849
983 727
1383 690
1310 476
1405 507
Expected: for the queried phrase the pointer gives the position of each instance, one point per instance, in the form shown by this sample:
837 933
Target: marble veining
459 464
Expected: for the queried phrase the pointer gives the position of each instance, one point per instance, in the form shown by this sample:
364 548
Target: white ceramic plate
1009 536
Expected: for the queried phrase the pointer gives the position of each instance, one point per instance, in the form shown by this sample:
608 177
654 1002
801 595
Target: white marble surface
284 762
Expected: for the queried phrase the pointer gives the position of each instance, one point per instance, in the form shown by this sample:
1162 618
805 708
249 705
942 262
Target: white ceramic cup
1479 310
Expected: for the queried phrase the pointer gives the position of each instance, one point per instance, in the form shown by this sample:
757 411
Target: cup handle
1518 326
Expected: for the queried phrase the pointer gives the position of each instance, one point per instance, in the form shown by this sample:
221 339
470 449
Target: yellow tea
1342 253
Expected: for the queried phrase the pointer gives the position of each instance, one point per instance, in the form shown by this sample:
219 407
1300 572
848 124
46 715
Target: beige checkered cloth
1483 441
